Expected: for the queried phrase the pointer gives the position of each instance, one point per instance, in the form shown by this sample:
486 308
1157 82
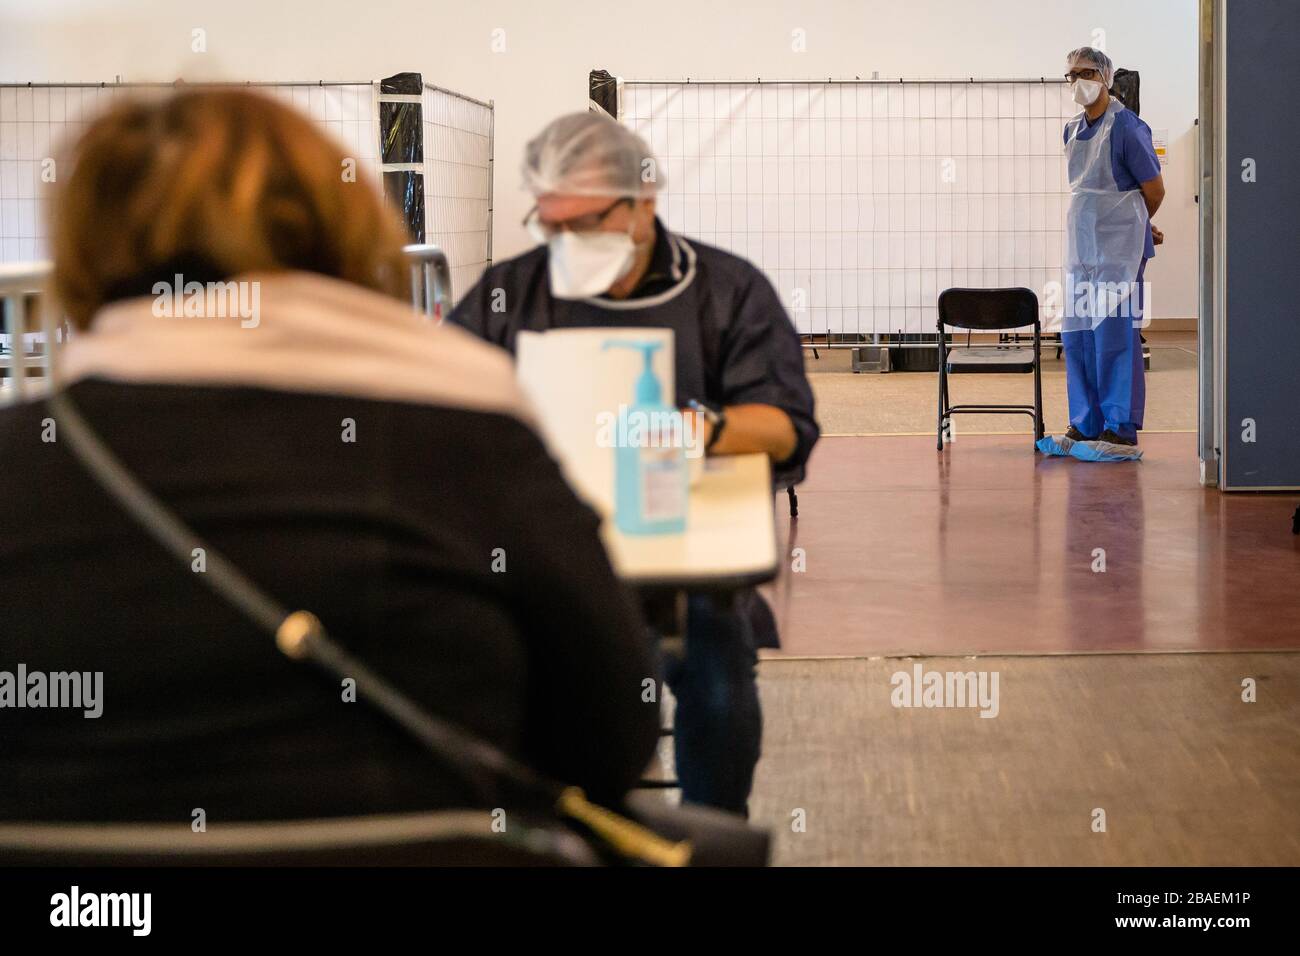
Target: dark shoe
1112 438
1074 434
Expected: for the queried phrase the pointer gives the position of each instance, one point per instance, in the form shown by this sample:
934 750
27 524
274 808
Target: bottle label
663 485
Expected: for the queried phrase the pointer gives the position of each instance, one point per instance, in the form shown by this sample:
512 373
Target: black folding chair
787 485
785 480
989 310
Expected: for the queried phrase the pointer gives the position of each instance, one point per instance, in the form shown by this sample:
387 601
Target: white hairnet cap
1097 60
589 154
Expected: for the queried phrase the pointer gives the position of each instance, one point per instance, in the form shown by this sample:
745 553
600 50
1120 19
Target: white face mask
1085 92
583 264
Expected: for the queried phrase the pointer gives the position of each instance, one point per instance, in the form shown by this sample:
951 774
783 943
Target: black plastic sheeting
405 189
1126 86
603 90
402 83
401 140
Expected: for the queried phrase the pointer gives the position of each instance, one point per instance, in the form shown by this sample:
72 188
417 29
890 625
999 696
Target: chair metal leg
1038 387
794 502
1039 428
943 390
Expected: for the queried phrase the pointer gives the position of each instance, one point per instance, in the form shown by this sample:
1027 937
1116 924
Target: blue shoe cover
1054 446
1104 451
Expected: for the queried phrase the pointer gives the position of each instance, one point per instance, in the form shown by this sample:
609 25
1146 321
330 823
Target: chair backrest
24 310
430 280
444 838
988 309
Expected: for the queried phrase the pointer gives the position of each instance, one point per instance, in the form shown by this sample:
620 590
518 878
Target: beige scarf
296 332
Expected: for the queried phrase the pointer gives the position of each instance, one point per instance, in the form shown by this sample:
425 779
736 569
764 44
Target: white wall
551 44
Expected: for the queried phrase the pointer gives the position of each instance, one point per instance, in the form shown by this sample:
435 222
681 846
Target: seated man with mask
606 259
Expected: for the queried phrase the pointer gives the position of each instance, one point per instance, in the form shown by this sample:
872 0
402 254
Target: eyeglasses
586 223
1088 74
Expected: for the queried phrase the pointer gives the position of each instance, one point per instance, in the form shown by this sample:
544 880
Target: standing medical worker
1116 188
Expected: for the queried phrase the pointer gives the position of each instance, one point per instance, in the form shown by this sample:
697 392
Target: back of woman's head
208 184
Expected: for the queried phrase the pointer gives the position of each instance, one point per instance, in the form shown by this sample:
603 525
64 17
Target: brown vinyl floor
990 547
988 558
904 403
1185 771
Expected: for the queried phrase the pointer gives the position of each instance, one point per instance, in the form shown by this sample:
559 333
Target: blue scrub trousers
1104 375
718 724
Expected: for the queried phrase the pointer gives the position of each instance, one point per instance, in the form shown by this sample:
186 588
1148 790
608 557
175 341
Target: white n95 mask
1085 92
583 264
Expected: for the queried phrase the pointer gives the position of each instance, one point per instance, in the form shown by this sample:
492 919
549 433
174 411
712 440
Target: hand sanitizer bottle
650 474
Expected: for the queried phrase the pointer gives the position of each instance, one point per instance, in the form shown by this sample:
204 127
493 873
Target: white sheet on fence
863 201
458 183
35 121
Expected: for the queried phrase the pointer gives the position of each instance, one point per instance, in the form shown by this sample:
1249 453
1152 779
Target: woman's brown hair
211 183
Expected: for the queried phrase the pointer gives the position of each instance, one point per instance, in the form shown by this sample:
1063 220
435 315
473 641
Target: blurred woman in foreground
347 456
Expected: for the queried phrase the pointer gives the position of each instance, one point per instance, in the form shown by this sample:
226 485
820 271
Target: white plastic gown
1105 228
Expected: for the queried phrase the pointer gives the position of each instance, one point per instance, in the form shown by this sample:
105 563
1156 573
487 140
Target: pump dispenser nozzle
648 389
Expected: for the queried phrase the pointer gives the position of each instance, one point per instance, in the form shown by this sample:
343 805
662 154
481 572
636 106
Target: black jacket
735 343
442 547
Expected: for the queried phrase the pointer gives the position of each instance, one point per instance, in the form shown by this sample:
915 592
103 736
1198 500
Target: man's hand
1157 236
755 427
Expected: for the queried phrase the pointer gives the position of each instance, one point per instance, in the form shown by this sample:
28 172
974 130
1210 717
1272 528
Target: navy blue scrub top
735 343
